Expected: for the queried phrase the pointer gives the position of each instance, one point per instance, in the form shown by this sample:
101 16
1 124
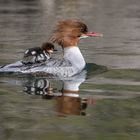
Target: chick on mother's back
38 54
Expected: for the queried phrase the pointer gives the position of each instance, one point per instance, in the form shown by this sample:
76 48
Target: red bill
94 34
91 34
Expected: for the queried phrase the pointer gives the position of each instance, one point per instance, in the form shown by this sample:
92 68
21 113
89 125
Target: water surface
106 104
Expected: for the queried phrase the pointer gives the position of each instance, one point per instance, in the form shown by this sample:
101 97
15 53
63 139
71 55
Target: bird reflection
38 87
68 101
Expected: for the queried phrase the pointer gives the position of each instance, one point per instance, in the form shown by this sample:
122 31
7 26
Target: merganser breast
73 54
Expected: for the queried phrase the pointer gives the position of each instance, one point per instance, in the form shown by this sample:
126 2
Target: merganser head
69 32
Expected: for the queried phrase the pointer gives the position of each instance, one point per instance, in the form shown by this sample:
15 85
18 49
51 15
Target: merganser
67 34
38 54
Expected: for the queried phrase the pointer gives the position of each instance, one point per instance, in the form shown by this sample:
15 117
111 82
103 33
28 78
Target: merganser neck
74 55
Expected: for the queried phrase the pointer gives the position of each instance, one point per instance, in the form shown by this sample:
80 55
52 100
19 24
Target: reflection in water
68 101
38 87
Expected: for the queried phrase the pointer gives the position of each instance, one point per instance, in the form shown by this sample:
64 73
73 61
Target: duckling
38 54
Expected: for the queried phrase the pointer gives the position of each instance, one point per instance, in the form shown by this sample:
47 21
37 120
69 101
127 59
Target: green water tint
112 79
26 116
113 87
117 119
94 69
131 74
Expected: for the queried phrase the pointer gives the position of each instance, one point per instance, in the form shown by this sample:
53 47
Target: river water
106 103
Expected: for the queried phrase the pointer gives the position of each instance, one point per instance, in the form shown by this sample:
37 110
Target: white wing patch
33 52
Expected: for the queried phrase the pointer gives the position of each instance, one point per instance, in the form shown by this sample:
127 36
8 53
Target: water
106 104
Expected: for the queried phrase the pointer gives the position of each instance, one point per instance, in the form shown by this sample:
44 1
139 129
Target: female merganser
67 34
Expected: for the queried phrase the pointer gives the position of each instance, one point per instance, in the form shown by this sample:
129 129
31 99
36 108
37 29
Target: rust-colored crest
68 30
